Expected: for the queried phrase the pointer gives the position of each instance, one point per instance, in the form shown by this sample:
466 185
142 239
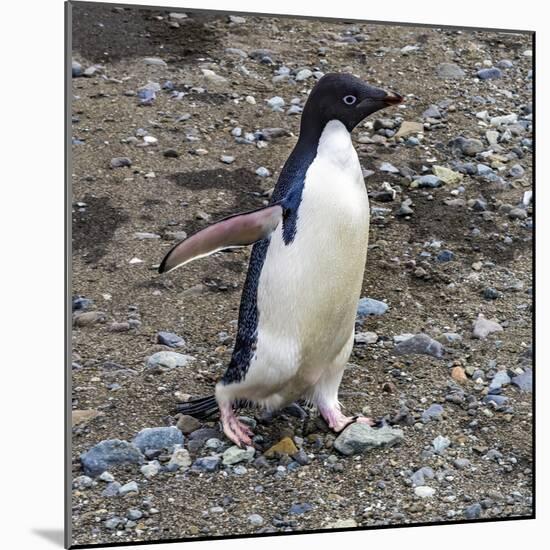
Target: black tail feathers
201 408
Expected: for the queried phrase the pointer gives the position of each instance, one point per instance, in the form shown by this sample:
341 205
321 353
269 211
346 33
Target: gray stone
483 327
157 61
420 344
440 444
360 437
300 508
276 103
108 453
449 70
431 112
134 514
180 458
263 172
111 490
304 74
227 159
207 464
158 438
500 379
130 487
461 463
151 469
423 491
76 68
366 338
255 520
167 360
113 523
517 171
170 339
489 74
429 180
120 162
82 482
388 167
524 381
234 455
419 477
473 511
369 306
432 412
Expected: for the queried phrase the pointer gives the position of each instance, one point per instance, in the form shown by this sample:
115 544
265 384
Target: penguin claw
234 429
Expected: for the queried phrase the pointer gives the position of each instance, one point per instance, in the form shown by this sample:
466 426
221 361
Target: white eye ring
349 99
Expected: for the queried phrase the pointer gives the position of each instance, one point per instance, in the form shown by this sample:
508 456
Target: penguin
298 306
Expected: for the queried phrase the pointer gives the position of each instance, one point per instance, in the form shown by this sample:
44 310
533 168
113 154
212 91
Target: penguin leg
325 393
233 428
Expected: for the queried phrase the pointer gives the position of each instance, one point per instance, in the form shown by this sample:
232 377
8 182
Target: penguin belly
309 288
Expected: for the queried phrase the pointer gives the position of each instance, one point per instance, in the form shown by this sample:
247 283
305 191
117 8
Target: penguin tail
201 408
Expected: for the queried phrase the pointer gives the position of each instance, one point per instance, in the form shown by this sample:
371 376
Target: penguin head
344 97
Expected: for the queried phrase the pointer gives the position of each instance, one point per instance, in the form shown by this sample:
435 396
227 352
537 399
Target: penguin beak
391 98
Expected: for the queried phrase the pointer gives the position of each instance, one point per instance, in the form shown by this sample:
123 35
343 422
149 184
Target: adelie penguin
298 306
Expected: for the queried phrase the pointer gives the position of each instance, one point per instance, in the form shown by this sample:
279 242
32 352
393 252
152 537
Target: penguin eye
349 99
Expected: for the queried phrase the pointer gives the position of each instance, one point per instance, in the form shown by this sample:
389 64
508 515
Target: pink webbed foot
233 428
337 420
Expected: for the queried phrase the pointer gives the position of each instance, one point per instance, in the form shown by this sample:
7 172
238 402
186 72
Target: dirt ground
159 194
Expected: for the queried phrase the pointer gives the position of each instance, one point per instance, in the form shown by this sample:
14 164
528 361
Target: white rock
423 491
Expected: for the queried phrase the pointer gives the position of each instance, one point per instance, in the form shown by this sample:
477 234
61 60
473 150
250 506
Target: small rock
157 61
428 180
109 453
419 477
167 360
524 381
304 74
227 159
365 338
255 520
130 487
84 416
276 103
207 464
432 412
111 490
446 175
387 167
440 444
151 469
301 508
158 438
500 379
82 482
134 514
285 446
369 306
88 318
489 74
170 153
423 491
120 162
360 437
431 112
212 78
170 339
449 70
263 172
76 69
458 375
445 256
234 455
342 524
461 463
408 128
420 344
188 424
473 511
517 214
180 458
483 327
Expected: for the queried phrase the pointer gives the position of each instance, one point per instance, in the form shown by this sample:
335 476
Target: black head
344 97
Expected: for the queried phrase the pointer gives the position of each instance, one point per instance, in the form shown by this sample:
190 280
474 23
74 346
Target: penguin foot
337 420
233 428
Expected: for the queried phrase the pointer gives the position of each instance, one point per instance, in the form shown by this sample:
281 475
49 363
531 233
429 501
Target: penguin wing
238 230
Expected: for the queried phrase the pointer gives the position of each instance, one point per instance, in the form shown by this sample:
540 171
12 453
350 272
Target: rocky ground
177 121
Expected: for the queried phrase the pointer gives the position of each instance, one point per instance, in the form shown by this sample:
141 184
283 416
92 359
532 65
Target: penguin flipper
238 230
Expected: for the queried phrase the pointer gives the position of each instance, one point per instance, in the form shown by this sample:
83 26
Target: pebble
500 379
491 293
170 339
303 74
473 511
84 416
445 256
431 112
187 424
146 236
408 128
360 437
285 446
458 375
428 180
163 361
440 444
517 171
300 508
420 344
227 159
276 103
255 520
489 74
180 458
432 412
76 69
170 154
111 490
212 78
108 453
461 463
423 491
207 463
151 469
483 327
113 523
107 477
82 482
263 172
449 70
154 61
419 477
158 438
88 318
365 338
370 306
130 487
504 119
234 455
237 19
446 175
517 214
134 514
390 168
120 162
524 381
